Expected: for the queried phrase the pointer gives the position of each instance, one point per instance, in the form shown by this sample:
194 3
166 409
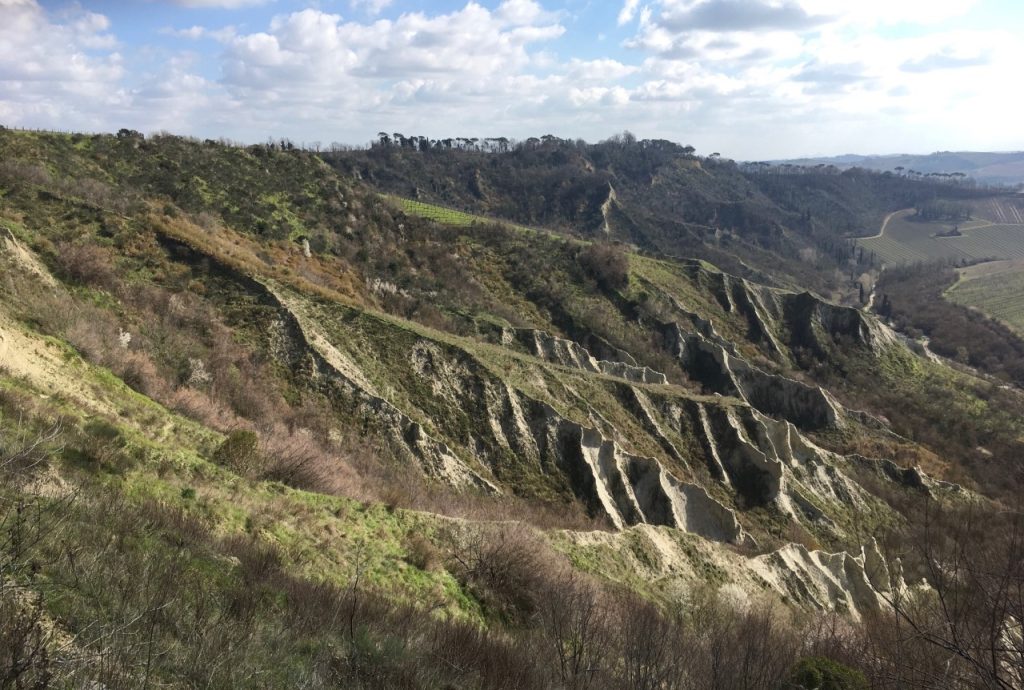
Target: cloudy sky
752 79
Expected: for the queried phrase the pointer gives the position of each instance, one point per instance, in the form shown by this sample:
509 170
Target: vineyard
443 215
996 231
995 288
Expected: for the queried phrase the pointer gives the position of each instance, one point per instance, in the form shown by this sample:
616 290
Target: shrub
240 452
24 656
86 264
819 673
420 552
607 264
503 567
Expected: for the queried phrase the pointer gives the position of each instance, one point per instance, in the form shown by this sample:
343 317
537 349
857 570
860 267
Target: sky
750 79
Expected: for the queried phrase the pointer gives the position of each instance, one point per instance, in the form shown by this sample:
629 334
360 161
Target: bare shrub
25 449
139 372
20 172
478 658
752 648
504 566
86 263
25 661
575 624
653 646
965 630
607 264
421 552
199 405
295 458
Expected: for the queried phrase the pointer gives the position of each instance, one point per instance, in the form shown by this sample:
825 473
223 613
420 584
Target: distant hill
987 167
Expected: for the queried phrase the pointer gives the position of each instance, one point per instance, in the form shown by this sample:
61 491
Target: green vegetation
260 427
997 289
788 224
908 238
818 673
446 216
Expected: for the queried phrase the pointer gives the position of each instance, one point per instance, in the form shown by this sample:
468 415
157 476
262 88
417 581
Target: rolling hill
268 420
991 168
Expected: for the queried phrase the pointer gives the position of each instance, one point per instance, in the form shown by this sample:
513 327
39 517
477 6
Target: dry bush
181 528
503 565
607 264
200 406
421 552
477 658
139 372
297 459
576 625
25 661
24 450
86 263
652 644
18 172
753 648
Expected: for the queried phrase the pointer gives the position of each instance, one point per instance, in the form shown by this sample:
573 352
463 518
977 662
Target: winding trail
885 224
881 231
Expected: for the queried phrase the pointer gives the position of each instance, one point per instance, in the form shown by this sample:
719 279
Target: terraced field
995 288
996 231
441 214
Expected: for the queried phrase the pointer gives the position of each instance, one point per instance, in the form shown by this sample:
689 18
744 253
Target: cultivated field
995 231
994 287
441 214
1007 210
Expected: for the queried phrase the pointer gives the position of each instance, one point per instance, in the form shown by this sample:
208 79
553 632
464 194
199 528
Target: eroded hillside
284 379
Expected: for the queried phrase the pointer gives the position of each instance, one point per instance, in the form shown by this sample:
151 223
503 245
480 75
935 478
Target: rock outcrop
780 320
829 581
632 489
571 354
723 372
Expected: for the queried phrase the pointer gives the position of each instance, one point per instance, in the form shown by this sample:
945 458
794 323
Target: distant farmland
995 231
995 288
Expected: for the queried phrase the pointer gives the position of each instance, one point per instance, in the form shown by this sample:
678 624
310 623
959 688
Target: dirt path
881 231
885 224
871 299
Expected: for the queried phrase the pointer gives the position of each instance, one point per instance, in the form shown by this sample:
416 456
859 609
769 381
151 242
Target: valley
391 418
994 231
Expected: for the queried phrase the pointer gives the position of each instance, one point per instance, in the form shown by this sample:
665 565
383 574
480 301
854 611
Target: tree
974 610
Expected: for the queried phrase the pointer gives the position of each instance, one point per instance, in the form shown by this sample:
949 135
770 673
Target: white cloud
50 69
196 32
782 77
221 4
312 47
627 12
370 7
605 70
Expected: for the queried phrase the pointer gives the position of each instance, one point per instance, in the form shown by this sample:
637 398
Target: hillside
994 168
779 225
269 421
